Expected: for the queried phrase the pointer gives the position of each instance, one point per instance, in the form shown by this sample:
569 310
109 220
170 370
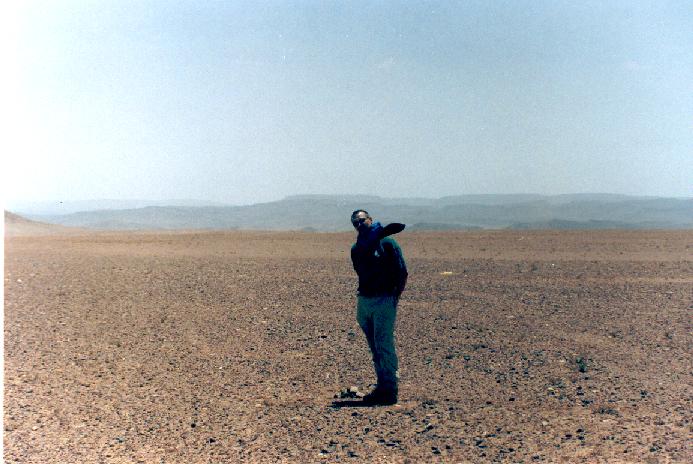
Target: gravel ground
514 346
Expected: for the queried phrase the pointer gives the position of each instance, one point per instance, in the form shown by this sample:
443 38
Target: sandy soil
229 347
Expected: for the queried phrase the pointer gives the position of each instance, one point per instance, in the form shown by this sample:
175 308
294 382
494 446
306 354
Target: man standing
382 273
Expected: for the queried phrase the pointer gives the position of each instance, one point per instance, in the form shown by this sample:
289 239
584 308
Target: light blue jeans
376 315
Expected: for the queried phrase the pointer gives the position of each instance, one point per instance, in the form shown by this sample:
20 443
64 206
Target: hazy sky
243 102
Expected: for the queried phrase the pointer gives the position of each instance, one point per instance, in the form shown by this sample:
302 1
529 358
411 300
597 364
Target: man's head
361 220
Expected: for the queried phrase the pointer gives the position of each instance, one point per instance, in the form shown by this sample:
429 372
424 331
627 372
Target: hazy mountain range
56 208
331 213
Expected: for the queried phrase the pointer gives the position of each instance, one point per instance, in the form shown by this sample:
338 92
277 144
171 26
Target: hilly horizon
45 208
16 225
331 213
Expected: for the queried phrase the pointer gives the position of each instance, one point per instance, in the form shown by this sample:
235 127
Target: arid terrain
515 346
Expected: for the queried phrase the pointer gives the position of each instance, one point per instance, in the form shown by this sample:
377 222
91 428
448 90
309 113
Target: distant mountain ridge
331 213
16 226
54 208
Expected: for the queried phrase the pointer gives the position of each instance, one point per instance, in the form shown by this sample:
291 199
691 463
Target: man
382 273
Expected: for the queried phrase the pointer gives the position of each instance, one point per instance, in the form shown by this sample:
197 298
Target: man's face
361 221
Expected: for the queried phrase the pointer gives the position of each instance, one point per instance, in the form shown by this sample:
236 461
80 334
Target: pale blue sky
244 102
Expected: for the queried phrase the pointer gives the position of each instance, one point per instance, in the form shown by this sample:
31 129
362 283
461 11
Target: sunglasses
358 221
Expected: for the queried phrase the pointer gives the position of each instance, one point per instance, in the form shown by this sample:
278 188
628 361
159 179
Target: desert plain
187 347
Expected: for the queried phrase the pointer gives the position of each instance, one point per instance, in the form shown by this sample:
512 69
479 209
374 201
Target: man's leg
386 362
364 316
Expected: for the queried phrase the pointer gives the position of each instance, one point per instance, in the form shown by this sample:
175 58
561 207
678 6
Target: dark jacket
381 269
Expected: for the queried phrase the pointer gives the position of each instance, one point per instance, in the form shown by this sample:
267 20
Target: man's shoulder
385 241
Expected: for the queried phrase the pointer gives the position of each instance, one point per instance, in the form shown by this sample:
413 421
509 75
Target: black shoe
381 397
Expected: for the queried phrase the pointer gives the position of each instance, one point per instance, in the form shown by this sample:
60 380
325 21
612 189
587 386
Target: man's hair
355 213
